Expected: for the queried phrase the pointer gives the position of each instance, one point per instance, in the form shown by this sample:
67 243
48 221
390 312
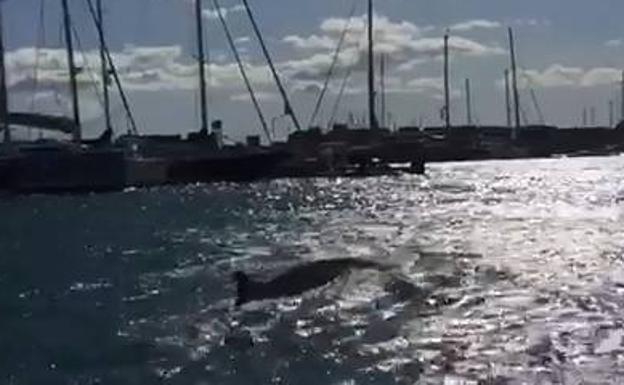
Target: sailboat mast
4 109
372 118
468 104
514 82
104 68
288 109
447 97
507 98
622 98
241 68
382 70
592 116
611 113
77 135
113 70
202 66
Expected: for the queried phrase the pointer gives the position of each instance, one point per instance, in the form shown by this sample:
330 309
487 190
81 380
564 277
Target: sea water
518 270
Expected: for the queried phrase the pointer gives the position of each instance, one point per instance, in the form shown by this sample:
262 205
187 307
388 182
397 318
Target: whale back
299 279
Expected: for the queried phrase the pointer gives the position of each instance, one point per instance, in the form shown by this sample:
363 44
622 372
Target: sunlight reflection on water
518 268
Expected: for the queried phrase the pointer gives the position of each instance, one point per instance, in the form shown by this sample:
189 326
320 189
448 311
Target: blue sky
570 52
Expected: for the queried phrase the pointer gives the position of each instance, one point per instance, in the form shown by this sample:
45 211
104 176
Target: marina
202 156
238 192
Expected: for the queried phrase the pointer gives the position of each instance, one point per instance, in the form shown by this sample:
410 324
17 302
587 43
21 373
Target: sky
569 52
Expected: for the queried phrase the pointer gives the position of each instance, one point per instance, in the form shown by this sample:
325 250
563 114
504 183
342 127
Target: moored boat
56 166
61 168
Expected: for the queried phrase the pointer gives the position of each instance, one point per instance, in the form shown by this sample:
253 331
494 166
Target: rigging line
58 93
87 68
104 74
208 67
113 69
241 67
343 86
335 58
190 38
523 113
288 108
40 42
538 109
531 82
196 104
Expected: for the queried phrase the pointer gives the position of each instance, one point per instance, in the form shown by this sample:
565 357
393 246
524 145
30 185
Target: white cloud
432 87
434 46
140 68
261 96
212 14
410 65
614 43
158 68
427 84
310 42
558 75
385 29
531 22
475 24
52 69
601 76
403 42
391 37
242 40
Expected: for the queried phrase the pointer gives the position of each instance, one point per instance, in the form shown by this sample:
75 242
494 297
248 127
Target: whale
299 279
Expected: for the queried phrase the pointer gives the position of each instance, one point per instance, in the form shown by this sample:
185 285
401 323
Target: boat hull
141 172
65 171
243 167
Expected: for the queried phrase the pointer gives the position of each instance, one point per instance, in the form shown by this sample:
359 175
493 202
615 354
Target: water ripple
504 272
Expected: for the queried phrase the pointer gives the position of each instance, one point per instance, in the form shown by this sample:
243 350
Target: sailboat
348 151
54 166
201 156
